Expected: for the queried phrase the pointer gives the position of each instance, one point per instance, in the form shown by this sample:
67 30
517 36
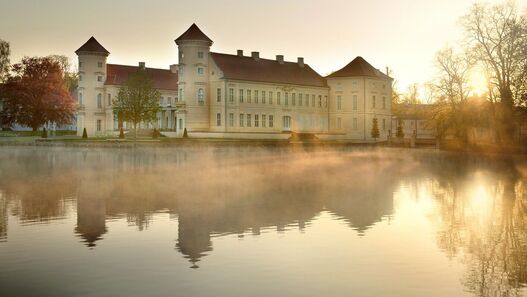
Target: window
286 122
263 97
241 119
201 71
263 120
373 101
109 99
293 99
325 101
256 96
99 100
271 118
278 99
248 96
241 95
354 102
169 101
319 100
180 124
270 97
201 96
231 119
218 119
161 101
80 98
286 98
181 94
339 123
218 95
80 64
99 78
383 124
256 118
99 64
313 123
300 99
339 102
99 125
248 120
355 123
383 102
200 55
312 100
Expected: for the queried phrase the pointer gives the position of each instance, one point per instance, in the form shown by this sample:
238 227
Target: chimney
301 62
280 59
255 55
142 65
174 68
239 53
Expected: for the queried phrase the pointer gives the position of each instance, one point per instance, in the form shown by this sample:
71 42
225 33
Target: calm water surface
245 221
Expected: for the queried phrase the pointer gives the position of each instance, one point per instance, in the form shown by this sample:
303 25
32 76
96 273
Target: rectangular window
218 119
201 71
99 100
80 98
99 64
263 97
231 119
339 123
180 124
270 97
339 102
218 95
300 99
231 95
355 123
354 102
256 96
248 96
373 101
278 99
109 99
161 101
248 120
99 124
263 120
271 119
319 100
383 102
293 99
312 100
99 78
325 101
241 96
286 99
256 118
241 119
200 55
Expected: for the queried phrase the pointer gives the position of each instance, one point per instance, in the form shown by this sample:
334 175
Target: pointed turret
193 33
92 46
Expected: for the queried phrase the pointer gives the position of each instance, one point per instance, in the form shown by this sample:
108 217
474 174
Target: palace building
217 95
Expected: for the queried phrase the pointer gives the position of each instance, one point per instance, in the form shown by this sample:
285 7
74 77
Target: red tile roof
358 67
193 33
162 79
92 46
264 70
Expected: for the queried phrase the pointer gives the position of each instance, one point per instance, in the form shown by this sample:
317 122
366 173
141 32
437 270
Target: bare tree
496 36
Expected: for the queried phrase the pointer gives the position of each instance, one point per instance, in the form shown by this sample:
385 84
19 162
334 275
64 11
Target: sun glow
478 82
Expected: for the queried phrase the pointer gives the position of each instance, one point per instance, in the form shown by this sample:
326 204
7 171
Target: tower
92 75
193 79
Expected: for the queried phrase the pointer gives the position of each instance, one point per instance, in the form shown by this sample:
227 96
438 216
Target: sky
403 35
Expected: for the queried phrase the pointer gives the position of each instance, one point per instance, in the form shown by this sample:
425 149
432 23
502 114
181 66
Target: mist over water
261 221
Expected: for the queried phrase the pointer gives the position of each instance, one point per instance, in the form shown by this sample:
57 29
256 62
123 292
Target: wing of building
218 95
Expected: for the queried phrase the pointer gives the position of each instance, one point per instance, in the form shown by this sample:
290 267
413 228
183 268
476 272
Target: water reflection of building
91 219
3 218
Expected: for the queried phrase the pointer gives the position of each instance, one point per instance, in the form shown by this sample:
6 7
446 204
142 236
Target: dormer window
200 55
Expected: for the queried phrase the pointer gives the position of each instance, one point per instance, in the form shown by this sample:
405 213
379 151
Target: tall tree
375 129
70 75
496 35
137 100
35 94
4 59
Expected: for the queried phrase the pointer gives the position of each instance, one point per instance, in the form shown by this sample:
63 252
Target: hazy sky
401 34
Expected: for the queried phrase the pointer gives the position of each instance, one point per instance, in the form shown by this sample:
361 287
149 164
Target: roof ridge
137 67
259 58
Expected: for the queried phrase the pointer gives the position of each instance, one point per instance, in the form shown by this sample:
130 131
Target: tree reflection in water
217 191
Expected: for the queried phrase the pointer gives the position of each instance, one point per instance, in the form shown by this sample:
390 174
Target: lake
261 221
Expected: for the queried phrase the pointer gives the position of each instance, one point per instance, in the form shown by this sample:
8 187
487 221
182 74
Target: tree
496 36
4 59
137 100
71 76
399 133
375 129
121 133
84 134
35 94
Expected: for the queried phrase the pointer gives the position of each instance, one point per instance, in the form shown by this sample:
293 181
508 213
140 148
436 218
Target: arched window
201 96
99 100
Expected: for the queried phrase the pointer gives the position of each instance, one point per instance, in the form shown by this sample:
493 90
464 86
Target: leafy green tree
4 59
137 100
375 129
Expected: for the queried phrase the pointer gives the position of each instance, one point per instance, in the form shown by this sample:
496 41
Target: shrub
84 134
